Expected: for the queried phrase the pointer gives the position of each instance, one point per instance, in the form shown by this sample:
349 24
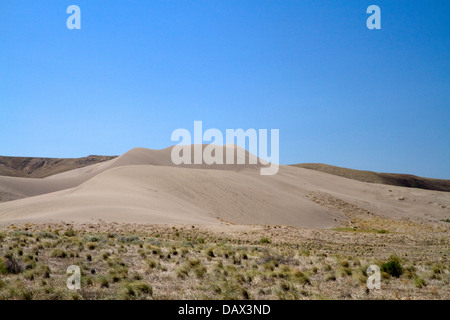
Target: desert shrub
193 262
130 239
151 263
95 238
330 277
210 253
327 267
25 294
200 271
345 272
117 273
410 272
301 278
136 276
438 269
286 286
265 240
241 278
46 234
29 275
59 253
344 263
419 283
136 289
13 266
87 281
3 269
44 271
70 233
183 272
103 281
393 267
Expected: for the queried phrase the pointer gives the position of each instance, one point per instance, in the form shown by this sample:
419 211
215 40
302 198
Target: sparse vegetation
156 262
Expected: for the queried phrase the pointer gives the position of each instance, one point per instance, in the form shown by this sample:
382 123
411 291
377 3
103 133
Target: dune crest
144 186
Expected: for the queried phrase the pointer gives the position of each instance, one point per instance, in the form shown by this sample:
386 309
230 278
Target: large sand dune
12 188
144 186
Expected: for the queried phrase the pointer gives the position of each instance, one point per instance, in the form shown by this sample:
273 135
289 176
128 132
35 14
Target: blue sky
137 70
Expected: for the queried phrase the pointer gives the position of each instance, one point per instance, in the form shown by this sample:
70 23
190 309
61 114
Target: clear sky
338 92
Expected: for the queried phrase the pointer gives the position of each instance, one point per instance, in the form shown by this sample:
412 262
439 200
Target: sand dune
12 188
144 186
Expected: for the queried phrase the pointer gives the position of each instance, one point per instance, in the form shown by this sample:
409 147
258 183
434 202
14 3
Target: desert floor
136 261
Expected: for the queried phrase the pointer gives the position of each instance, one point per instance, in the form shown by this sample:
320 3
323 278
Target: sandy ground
144 261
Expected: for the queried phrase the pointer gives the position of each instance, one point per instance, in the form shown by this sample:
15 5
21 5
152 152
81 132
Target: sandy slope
144 186
12 188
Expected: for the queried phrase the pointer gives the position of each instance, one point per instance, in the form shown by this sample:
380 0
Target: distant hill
395 179
27 167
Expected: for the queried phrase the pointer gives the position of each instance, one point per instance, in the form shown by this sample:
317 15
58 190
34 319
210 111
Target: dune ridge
144 186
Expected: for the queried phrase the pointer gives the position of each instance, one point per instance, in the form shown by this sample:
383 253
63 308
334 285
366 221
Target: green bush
393 267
